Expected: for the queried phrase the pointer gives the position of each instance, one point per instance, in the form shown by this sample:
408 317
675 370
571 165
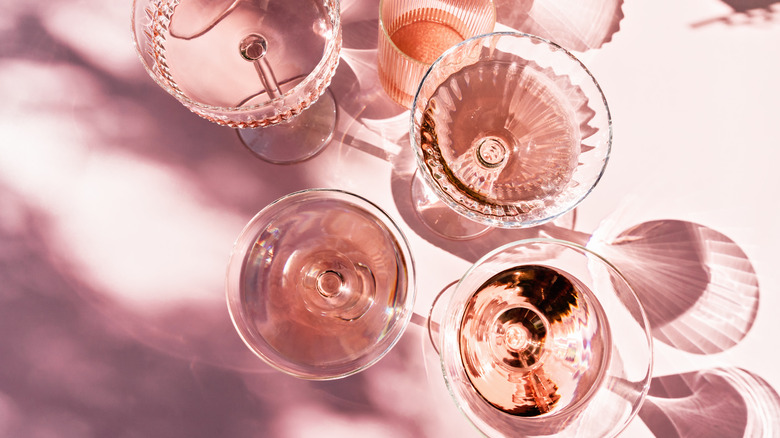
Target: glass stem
268 78
253 48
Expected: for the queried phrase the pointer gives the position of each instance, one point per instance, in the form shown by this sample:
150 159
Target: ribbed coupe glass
413 33
259 66
509 130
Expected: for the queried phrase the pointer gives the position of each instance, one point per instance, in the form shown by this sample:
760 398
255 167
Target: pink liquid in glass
500 138
533 340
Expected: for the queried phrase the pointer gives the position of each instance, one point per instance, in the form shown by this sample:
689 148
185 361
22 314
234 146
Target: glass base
440 218
301 138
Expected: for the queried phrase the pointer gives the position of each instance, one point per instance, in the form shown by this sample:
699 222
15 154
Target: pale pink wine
323 282
501 138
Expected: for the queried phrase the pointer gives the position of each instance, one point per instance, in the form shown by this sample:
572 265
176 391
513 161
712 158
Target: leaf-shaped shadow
746 12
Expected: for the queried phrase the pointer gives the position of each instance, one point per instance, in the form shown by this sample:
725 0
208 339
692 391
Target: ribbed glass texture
510 130
413 33
191 49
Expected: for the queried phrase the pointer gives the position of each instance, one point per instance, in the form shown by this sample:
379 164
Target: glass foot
303 137
440 218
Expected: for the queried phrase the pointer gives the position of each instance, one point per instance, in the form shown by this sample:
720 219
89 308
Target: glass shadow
698 287
723 402
574 24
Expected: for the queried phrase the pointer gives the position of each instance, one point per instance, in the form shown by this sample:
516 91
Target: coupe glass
510 130
413 33
320 284
543 337
248 64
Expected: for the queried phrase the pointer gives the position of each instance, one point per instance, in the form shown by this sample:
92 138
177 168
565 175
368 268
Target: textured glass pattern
193 49
413 33
510 130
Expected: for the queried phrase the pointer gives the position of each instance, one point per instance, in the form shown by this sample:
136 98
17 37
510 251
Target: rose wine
414 33
200 55
534 340
424 34
501 138
323 282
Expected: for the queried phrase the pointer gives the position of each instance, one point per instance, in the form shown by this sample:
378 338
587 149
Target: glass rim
386 35
470 213
332 49
237 262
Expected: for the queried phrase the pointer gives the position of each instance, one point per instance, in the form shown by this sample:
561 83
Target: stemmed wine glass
543 337
255 65
510 130
320 284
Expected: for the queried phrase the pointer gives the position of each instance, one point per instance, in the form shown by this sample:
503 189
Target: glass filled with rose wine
544 337
261 66
320 284
413 33
510 130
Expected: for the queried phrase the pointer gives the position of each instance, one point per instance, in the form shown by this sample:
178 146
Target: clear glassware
259 66
320 284
543 337
509 130
413 33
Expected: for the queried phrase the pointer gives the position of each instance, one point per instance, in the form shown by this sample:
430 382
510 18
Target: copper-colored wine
534 340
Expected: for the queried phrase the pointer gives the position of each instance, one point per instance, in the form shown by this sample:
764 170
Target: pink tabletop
119 207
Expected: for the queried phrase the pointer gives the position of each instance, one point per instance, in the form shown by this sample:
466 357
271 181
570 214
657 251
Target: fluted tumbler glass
413 33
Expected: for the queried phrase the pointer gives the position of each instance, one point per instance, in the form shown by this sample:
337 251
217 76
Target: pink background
118 209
